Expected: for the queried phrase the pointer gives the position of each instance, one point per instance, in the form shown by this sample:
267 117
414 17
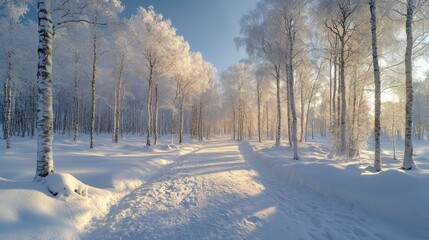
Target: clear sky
208 25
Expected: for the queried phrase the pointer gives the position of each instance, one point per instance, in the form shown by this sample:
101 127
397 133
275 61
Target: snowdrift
62 205
57 207
398 197
394 195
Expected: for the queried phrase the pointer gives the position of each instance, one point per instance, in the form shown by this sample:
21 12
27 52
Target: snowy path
223 192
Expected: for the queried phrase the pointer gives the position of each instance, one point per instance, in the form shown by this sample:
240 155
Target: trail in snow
223 191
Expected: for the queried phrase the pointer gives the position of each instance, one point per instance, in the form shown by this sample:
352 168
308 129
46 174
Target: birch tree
190 81
262 87
123 58
45 162
343 26
156 37
377 89
408 162
99 13
290 16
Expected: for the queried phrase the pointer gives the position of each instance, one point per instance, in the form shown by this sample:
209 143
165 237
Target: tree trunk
343 99
334 98
279 108
306 119
117 117
240 121
291 95
200 122
393 136
76 101
330 90
288 118
234 124
149 106
258 91
45 161
408 162
155 124
377 83
94 72
8 101
267 118
171 128
352 139
334 93
181 120
302 111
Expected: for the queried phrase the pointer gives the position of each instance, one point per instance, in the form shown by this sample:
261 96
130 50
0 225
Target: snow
393 195
88 183
64 185
218 189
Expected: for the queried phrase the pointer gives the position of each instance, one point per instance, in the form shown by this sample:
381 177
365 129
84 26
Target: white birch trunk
200 122
279 108
393 136
76 100
288 118
155 124
306 119
292 96
149 105
334 98
302 111
8 101
267 117
408 162
377 83
45 161
181 119
240 120
118 97
258 91
94 72
343 99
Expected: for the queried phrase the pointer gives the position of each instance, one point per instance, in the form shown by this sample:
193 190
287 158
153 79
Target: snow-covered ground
108 172
397 198
219 189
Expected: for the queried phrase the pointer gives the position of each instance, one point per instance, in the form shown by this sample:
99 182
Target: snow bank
398 197
393 195
63 204
31 211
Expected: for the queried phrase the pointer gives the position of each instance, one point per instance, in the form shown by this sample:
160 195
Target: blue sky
208 25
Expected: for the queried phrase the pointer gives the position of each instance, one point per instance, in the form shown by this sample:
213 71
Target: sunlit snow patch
161 161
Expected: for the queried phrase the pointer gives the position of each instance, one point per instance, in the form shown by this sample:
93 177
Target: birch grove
325 69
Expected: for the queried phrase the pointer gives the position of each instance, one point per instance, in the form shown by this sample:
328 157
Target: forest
353 73
313 67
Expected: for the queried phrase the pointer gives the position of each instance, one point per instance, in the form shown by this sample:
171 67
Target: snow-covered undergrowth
86 183
399 197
